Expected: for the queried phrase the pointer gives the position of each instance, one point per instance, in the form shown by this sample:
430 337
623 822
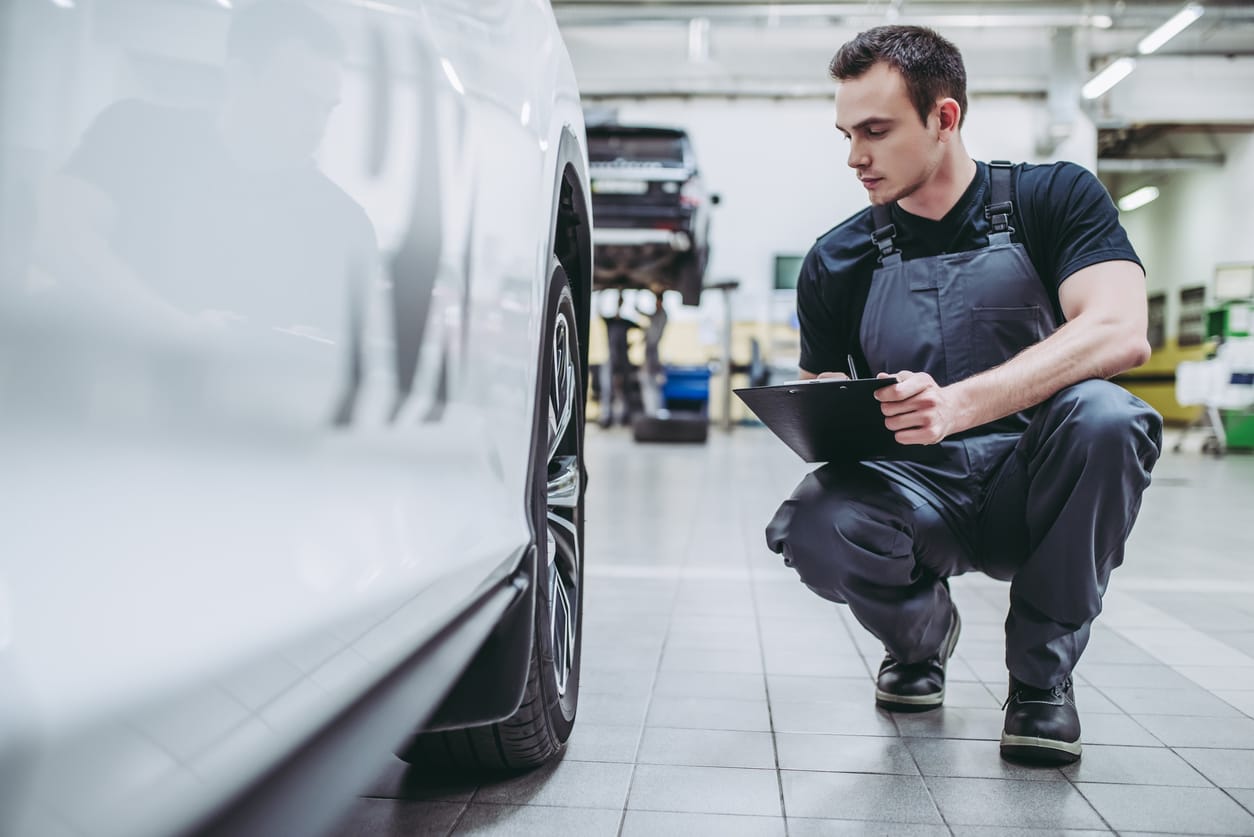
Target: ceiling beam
1132 165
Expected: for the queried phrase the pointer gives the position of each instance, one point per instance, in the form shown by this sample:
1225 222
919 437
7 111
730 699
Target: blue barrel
686 387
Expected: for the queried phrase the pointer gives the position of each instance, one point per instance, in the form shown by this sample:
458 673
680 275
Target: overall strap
1001 209
883 234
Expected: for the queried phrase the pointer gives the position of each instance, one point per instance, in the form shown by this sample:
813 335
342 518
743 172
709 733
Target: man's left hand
918 410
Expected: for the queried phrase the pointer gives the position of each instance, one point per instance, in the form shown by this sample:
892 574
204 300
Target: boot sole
1046 751
921 703
908 703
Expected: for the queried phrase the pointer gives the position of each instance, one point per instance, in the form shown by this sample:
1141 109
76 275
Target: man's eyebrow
871 120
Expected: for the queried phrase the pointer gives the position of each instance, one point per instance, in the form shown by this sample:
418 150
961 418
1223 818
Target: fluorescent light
1114 73
1101 21
1178 23
63 4
1138 199
699 40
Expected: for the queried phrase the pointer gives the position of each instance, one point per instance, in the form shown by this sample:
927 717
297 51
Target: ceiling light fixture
1138 198
1178 23
699 40
1112 74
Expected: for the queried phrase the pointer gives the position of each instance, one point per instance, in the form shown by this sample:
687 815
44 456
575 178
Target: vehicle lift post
727 286
657 423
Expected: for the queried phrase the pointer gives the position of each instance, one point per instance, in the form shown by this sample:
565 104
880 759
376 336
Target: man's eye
871 132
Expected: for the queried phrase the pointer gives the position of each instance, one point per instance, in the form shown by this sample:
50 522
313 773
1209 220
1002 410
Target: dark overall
1044 498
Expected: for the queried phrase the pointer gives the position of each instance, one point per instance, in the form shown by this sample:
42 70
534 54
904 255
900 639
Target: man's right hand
839 376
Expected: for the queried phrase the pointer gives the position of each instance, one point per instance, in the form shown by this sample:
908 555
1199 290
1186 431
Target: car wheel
539 728
691 269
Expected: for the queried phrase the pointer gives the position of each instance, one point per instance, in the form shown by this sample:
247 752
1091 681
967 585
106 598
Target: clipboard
830 420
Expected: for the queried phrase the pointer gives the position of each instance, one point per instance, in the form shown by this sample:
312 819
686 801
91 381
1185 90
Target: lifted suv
651 210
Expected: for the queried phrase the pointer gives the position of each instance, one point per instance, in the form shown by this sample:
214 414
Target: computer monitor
1234 281
787 270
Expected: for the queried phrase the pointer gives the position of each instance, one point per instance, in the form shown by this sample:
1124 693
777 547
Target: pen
853 370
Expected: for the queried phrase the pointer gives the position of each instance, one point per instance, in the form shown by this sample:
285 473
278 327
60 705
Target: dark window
660 149
1192 329
1157 335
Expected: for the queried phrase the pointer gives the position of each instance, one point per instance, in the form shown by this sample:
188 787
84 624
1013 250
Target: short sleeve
823 347
1080 223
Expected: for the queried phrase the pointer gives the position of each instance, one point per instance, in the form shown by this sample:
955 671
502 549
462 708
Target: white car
294 302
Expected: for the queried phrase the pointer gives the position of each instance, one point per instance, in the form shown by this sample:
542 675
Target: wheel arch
493 685
570 231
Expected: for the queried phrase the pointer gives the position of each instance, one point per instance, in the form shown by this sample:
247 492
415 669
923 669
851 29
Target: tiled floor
720 697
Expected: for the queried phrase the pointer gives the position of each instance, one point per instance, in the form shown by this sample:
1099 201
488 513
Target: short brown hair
931 65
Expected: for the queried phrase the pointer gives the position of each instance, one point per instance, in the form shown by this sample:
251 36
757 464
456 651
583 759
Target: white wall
780 168
1202 218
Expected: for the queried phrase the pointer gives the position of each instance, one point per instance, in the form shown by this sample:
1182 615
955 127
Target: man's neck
944 188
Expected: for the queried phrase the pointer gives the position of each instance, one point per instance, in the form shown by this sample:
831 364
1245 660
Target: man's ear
949 114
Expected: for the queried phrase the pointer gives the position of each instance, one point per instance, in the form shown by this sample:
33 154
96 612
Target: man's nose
857 157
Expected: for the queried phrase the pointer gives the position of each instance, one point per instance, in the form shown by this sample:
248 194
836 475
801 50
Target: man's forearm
1091 346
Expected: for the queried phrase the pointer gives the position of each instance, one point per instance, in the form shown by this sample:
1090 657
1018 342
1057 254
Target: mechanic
1000 297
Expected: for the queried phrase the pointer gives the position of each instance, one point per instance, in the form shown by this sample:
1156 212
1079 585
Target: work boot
1042 725
917 687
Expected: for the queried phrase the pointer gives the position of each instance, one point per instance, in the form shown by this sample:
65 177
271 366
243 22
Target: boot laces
1025 693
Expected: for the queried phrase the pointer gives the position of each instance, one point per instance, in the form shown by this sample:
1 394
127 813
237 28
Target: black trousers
1048 510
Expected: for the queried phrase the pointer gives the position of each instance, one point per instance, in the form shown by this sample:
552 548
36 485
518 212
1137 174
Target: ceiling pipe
1134 165
1101 16
956 15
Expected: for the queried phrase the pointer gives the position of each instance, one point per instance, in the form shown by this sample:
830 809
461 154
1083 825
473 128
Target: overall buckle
999 215
883 239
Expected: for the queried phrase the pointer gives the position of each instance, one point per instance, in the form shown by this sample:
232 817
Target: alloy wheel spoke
562 398
563 489
563 483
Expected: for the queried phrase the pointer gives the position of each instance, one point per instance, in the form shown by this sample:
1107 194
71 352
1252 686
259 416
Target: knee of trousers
840 542
1098 418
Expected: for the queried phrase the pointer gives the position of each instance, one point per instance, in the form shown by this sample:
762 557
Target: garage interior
718 695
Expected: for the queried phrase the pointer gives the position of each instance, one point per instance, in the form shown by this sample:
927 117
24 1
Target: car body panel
245 481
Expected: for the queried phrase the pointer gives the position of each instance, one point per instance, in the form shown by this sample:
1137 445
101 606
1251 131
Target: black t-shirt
1063 216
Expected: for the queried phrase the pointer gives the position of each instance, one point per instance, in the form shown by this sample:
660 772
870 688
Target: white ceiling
640 48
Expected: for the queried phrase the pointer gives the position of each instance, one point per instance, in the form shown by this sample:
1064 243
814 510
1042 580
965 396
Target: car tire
691 270
538 729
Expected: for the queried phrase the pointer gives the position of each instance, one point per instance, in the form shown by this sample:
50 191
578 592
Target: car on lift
294 304
652 210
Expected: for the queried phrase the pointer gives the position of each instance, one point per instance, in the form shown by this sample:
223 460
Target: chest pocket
999 334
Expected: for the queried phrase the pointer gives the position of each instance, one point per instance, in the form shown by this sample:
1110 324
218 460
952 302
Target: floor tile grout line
770 715
679 582
452 829
1134 719
1194 768
755 593
644 722
923 778
1247 807
844 619
1077 789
